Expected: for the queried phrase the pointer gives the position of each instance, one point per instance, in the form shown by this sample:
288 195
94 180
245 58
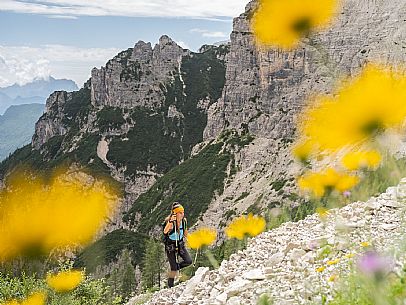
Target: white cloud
183 44
24 64
146 8
62 17
211 34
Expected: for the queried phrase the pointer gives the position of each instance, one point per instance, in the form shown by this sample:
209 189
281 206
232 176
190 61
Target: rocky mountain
135 121
39 87
35 92
212 129
17 126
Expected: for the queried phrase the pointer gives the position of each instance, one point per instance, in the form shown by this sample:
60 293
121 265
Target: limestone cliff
265 88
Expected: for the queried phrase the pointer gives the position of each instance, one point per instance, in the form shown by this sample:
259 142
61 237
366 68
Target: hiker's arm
168 227
185 233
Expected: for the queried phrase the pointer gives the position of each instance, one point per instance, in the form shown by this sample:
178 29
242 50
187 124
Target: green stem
211 259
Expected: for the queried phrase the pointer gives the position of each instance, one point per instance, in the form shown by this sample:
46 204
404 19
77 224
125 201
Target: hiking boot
171 282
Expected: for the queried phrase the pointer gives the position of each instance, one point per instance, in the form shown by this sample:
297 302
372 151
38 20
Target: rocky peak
133 78
50 124
142 52
265 88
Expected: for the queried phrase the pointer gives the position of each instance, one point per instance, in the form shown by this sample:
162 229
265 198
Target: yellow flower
320 269
363 108
245 225
323 212
303 150
318 183
362 159
37 298
332 278
37 217
350 255
333 262
365 244
201 237
65 281
282 23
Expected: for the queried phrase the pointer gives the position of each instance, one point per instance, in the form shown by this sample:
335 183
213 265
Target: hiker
175 229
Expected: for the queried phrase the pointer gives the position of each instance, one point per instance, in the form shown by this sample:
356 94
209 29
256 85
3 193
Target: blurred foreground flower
37 298
37 218
201 237
333 262
333 278
320 269
362 159
373 264
350 255
322 212
65 281
320 183
356 113
282 23
245 225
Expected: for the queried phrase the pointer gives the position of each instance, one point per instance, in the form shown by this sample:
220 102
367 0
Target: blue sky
66 38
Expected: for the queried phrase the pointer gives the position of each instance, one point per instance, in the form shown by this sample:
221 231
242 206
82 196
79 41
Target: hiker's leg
171 254
187 260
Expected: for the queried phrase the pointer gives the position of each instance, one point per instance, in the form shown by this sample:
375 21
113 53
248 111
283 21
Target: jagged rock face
50 124
134 77
265 88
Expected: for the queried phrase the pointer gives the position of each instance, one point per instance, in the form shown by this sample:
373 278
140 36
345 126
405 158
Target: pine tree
153 265
122 278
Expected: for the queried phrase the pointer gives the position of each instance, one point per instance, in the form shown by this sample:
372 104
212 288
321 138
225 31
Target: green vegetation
54 157
153 265
278 185
193 183
361 289
122 279
78 107
110 118
255 207
154 141
376 182
108 248
242 196
89 292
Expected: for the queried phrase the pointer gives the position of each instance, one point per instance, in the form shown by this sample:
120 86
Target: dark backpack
165 237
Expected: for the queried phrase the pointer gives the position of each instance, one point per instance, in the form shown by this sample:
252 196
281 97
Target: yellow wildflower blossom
245 225
282 23
363 108
303 150
65 281
365 244
333 262
318 183
320 269
37 298
332 278
201 237
37 217
350 255
323 212
362 159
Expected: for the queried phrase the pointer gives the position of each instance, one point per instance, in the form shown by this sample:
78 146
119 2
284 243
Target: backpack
165 237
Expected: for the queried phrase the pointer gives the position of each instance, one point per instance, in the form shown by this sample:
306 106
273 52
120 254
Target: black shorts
178 258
